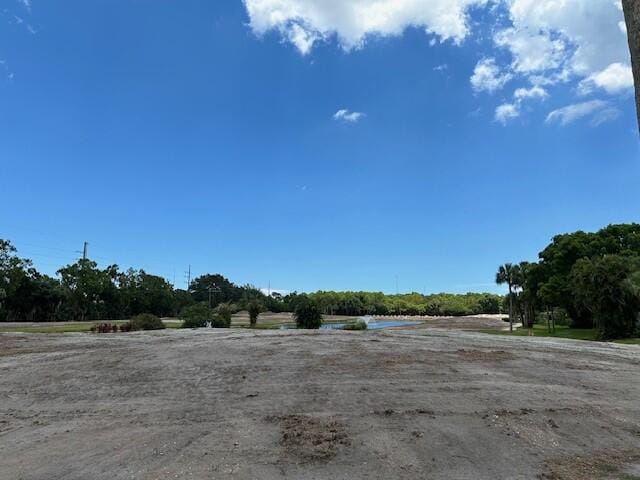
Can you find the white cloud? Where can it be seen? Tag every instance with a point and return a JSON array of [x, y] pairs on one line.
[[599, 111], [506, 112], [616, 78], [547, 42], [579, 36], [305, 22], [532, 52], [487, 76], [441, 68], [345, 115], [530, 93]]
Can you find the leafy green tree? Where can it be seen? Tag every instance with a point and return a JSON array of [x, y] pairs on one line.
[[91, 293], [609, 287], [215, 287], [558, 259], [144, 293], [181, 300], [12, 274], [308, 314], [489, 304]]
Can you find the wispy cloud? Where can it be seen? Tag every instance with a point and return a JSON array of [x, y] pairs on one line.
[[26, 3], [598, 111], [509, 111], [345, 115]]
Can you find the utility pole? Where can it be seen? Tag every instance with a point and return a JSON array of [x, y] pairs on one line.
[[188, 272], [85, 250], [397, 290]]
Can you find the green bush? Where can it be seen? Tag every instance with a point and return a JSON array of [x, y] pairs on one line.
[[254, 307], [146, 321], [196, 316], [356, 326], [308, 315], [222, 319]]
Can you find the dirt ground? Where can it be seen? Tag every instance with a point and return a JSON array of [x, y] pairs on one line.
[[394, 404]]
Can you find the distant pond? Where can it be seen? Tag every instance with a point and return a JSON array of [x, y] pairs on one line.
[[373, 325]]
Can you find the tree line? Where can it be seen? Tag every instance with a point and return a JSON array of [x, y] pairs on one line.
[[591, 279], [83, 291]]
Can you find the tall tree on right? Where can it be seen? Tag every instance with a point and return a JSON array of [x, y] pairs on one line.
[[632, 15]]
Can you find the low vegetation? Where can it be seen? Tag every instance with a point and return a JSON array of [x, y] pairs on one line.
[[563, 331], [308, 315], [196, 316], [358, 325], [146, 321]]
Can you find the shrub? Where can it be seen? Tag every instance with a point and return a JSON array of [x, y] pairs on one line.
[[357, 325], [308, 315], [125, 327], [146, 321], [196, 316], [105, 328], [254, 307], [222, 319]]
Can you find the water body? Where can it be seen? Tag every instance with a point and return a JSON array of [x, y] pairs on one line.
[[373, 325]]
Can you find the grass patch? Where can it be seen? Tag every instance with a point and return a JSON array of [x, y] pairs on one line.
[[590, 334], [629, 341]]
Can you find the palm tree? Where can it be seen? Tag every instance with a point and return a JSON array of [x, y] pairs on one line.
[[508, 273]]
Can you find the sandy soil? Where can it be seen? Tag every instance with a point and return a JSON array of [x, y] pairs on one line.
[[401, 404]]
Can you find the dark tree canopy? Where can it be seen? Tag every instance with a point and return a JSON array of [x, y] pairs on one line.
[[590, 276], [85, 291]]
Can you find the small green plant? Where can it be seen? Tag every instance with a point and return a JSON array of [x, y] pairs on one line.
[[146, 321], [308, 315], [222, 319], [255, 308], [358, 325], [197, 316]]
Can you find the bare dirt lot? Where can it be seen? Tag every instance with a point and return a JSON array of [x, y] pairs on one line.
[[407, 404]]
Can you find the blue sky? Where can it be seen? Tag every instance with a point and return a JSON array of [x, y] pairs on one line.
[[310, 144]]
